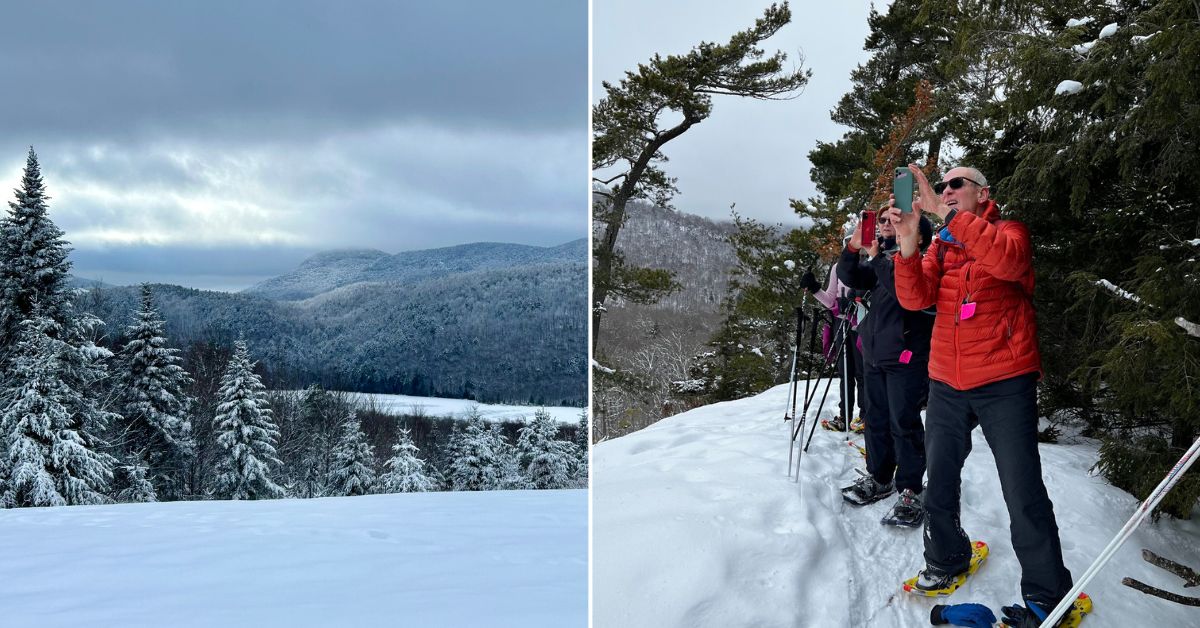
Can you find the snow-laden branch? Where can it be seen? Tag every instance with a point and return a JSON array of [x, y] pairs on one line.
[[604, 369], [1191, 328], [1121, 292]]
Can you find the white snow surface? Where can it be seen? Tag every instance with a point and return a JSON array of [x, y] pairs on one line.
[[1078, 21], [504, 558], [696, 524], [1068, 87], [458, 408], [1108, 31]]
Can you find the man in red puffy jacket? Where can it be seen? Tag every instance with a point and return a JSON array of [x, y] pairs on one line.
[[983, 366]]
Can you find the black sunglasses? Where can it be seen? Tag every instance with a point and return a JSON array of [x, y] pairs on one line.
[[955, 183]]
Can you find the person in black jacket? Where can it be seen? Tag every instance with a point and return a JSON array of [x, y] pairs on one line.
[[895, 349]]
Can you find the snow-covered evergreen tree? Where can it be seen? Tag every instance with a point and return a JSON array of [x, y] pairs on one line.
[[582, 443], [353, 461], [33, 259], [405, 472], [508, 466], [135, 486], [245, 433], [473, 465], [545, 461], [318, 423], [49, 459], [156, 427]]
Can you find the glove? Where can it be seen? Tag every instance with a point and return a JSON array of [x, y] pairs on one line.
[[969, 615], [1029, 616], [809, 282]]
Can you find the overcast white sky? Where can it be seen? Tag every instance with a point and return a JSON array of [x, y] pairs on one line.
[[753, 153], [216, 143]]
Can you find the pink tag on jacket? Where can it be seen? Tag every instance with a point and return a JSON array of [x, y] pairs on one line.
[[905, 356], [967, 311]]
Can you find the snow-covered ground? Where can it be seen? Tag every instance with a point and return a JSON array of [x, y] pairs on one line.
[[503, 558], [696, 523], [458, 408]]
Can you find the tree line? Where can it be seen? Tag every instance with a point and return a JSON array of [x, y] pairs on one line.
[[82, 423]]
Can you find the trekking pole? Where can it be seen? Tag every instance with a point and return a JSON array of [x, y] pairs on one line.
[[840, 348], [798, 430], [792, 383], [1142, 512], [812, 361]]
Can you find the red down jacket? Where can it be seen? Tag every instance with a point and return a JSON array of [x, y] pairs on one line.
[[990, 265]]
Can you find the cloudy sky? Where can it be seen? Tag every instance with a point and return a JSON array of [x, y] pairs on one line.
[[753, 153], [217, 143]]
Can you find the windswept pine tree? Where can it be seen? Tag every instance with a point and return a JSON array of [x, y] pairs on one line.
[[544, 460], [405, 472], [245, 433], [353, 461], [49, 460], [156, 428]]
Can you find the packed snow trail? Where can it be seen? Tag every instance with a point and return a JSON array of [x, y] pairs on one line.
[[503, 558], [696, 524]]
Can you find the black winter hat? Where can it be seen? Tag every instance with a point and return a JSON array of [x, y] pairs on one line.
[[926, 232]]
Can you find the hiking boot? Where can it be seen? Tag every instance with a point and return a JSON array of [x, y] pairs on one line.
[[836, 424], [909, 510], [931, 579], [867, 491]]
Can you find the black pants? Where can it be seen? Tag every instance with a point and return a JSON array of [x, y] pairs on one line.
[[895, 436], [1007, 411], [849, 385]]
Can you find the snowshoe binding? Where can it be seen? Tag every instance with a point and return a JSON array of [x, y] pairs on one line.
[[836, 424], [867, 491], [1022, 616], [909, 511], [932, 583]]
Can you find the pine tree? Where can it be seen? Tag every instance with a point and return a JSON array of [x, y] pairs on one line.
[[630, 131], [405, 472], [508, 466], [48, 458], [245, 433], [545, 461], [475, 463], [353, 461], [135, 486], [582, 446], [156, 425], [33, 259]]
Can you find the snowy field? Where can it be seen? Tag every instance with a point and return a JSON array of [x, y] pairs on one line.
[[458, 408], [506, 558], [696, 524]]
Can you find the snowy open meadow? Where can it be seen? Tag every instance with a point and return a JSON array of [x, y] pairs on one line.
[[696, 524], [459, 408], [471, 559]]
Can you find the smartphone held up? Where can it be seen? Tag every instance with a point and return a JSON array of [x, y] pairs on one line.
[[902, 188], [868, 229]]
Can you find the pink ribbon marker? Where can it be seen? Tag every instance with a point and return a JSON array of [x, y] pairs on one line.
[[905, 356], [967, 311]]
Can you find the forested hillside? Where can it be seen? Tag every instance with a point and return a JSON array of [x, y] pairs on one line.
[[509, 335]]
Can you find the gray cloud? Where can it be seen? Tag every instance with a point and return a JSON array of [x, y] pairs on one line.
[[176, 135]]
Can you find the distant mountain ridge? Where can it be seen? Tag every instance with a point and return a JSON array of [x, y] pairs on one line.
[[492, 322], [330, 270]]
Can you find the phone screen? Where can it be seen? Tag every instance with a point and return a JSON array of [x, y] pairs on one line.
[[902, 188], [868, 229]]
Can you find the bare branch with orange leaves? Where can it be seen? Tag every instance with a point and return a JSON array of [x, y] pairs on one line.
[[904, 128]]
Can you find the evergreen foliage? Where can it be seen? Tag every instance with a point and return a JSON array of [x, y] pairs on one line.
[[404, 471], [156, 427], [544, 460], [478, 461], [245, 433], [50, 458], [353, 461]]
